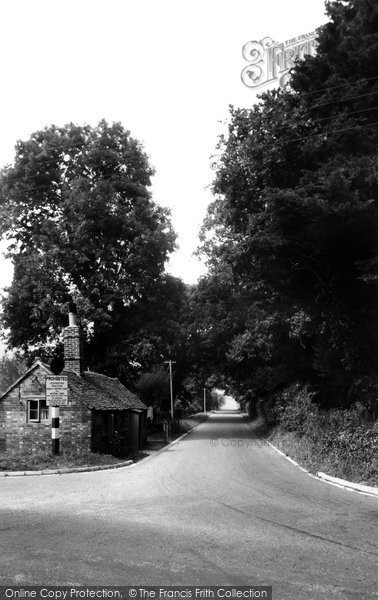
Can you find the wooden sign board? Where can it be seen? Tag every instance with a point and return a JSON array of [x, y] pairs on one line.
[[57, 390]]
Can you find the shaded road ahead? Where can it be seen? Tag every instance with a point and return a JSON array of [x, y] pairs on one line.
[[217, 508]]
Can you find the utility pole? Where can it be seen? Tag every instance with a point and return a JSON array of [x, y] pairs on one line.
[[170, 363], [204, 400]]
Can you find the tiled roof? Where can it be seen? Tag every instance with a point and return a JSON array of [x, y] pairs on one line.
[[101, 392]]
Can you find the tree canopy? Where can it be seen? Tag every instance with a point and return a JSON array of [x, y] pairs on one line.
[[294, 221], [76, 209]]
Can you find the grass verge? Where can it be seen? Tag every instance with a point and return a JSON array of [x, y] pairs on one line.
[[43, 459], [314, 455]]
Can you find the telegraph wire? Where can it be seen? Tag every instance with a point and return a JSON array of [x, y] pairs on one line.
[[355, 112], [343, 115], [343, 100], [326, 133], [335, 87]]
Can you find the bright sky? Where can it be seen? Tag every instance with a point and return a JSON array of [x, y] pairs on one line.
[[166, 69]]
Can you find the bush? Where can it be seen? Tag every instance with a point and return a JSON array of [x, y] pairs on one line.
[[295, 410], [193, 408], [350, 440], [266, 409], [341, 442], [364, 391], [116, 446]]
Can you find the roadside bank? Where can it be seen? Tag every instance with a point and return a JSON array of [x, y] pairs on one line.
[[327, 453]]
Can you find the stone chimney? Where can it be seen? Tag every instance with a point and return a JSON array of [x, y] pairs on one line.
[[72, 344]]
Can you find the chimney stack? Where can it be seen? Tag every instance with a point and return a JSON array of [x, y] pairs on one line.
[[72, 343]]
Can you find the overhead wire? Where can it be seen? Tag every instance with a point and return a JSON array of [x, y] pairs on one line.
[[284, 128], [344, 100], [326, 133], [355, 112], [335, 87]]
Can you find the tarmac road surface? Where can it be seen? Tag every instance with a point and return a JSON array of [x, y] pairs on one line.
[[219, 507]]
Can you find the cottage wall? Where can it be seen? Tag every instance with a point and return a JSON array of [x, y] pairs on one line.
[[17, 433]]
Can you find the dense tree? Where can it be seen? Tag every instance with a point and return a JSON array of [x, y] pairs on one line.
[[76, 209], [295, 218], [154, 389], [10, 370], [147, 333]]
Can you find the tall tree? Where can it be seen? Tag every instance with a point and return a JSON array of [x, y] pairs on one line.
[[295, 217], [77, 211]]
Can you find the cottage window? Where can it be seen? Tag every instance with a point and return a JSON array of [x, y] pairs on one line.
[[33, 411], [37, 411], [43, 410]]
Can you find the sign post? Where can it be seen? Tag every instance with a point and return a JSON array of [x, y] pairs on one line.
[[56, 396], [55, 429]]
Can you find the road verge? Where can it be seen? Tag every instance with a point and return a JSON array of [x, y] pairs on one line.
[[342, 483]]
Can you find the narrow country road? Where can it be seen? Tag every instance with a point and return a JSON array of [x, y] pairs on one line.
[[217, 508]]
